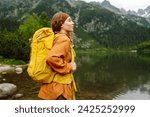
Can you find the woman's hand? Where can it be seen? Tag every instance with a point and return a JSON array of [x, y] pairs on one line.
[[73, 64]]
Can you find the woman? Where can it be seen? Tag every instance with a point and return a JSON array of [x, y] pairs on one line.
[[61, 60]]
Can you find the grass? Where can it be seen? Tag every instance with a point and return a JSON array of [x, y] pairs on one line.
[[11, 61]]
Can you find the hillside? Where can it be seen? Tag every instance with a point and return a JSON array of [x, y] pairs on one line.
[[98, 25]]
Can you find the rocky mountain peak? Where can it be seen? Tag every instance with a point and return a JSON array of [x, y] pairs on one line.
[[106, 3], [147, 9], [141, 12]]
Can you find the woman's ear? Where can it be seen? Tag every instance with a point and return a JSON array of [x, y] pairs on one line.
[[62, 25]]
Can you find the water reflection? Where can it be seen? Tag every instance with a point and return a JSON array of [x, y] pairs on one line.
[[99, 76], [113, 76], [24, 83]]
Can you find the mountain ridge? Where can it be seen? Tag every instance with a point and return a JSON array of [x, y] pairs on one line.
[[141, 17], [97, 23], [140, 12]]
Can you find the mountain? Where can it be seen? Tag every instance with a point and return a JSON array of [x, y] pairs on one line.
[[144, 12], [141, 12], [131, 15], [15, 8], [106, 4], [95, 24]]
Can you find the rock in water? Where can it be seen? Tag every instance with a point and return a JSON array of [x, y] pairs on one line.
[[18, 70], [7, 89], [16, 96]]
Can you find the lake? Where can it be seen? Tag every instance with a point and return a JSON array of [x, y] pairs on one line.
[[99, 76]]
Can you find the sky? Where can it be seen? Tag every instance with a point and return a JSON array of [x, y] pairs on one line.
[[127, 4]]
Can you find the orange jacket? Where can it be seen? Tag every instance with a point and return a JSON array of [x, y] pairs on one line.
[[59, 58], [60, 55]]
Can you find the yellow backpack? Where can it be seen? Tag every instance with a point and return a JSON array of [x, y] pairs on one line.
[[41, 44]]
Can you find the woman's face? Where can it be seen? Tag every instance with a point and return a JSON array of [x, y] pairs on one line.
[[68, 25]]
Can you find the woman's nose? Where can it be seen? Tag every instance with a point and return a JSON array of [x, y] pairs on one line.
[[72, 23]]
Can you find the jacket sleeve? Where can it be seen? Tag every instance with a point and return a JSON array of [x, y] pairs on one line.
[[56, 57]]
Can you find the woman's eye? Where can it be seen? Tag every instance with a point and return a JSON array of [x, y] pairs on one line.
[[70, 20]]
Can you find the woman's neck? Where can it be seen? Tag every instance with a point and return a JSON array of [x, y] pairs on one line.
[[69, 34], [63, 32]]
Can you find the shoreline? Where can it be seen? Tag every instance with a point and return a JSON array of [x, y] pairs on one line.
[[9, 68]]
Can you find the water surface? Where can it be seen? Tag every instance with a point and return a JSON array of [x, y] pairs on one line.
[[99, 76]]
